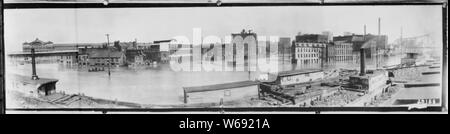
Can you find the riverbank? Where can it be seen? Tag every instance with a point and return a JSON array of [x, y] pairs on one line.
[[16, 99]]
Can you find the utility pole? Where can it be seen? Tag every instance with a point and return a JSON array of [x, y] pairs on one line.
[[401, 41], [378, 41], [322, 55], [109, 55], [364, 40]]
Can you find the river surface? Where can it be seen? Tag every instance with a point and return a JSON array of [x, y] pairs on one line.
[[152, 84]]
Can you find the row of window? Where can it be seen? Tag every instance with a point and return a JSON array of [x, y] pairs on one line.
[[113, 60], [307, 55], [66, 57], [309, 50], [309, 60], [104, 64]]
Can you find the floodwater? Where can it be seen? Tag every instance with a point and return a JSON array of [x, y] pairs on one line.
[[152, 84]]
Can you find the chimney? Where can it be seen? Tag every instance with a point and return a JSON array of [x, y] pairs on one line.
[[33, 65], [362, 63]]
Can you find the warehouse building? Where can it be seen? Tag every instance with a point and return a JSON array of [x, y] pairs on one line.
[[216, 93], [36, 88], [294, 77]]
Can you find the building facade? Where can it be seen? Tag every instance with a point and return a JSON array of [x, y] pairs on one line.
[[306, 53], [343, 51], [298, 77], [310, 48], [104, 58], [373, 44], [284, 50], [68, 59], [165, 56], [38, 45], [134, 57]]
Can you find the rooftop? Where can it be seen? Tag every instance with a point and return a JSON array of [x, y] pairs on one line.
[[161, 41], [38, 42], [28, 80], [295, 72], [219, 86], [101, 53], [370, 74]]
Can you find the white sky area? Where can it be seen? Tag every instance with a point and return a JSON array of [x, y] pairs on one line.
[[89, 25]]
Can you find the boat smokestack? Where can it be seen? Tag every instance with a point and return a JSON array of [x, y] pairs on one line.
[[33, 65], [362, 63]]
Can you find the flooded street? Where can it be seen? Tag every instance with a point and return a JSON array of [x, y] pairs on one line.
[[151, 84]]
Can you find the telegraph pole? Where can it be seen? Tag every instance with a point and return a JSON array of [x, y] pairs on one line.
[[109, 55]]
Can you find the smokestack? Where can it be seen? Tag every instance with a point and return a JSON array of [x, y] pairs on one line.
[[362, 63], [379, 26], [378, 41], [33, 65], [364, 36]]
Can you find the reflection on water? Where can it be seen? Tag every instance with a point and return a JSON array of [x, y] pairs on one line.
[[151, 85], [147, 85]]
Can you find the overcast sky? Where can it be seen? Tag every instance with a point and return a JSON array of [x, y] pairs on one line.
[[149, 24]]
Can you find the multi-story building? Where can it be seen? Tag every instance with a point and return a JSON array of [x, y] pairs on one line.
[[165, 56], [41, 46], [45, 53], [311, 38], [330, 52], [99, 59], [178, 52], [309, 52], [329, 35], [152, 54], [83, 56], [158, 51], [134, 57], [70, 59], [38, 45], [343, 51], [371, 43], [284, 50], [310, 48]]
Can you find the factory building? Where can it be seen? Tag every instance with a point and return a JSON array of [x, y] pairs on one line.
[[373, 82]]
